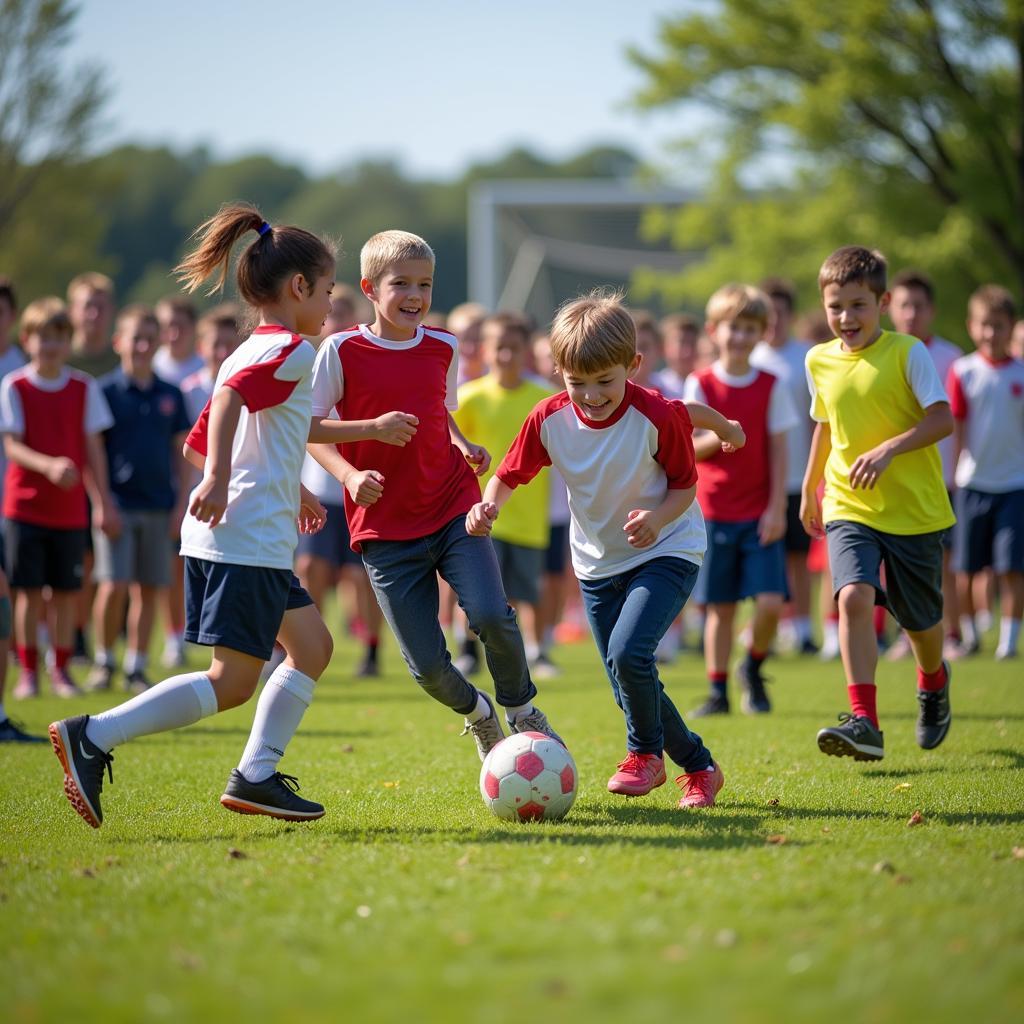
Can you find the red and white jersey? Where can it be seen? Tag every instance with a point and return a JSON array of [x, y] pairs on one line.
[[53, 416], [989, 398], [944, 354], [272, 371], [611, 467], [428, 482]]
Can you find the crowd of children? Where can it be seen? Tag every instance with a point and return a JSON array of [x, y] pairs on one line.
[[159, 456]]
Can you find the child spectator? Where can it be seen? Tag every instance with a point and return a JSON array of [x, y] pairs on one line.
[[239, 536], [464, 321], [679, 334], [424, 480], [637, 535], [783, 356], [648, 347], [176, 357], [986, 391], [52, 418], [149, 480], [912, 312], [743, 496], [491, 409], [878, 403], [91, 311]]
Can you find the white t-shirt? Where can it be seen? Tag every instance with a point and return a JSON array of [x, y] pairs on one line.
[[167, 368], [272, 371], [944, 354], [787, 364]]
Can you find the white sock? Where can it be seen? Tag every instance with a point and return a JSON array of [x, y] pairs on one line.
[[984, 619], [180, 700], [968, 631], [279, 711], [532, 651], [1009, 633], [104, 656], [802, 628], [519, 711], [830, 629], [480, 712], [134, 661]]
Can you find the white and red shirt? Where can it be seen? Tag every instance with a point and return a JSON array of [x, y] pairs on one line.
[[53, 417], [944, 354], [272, 371], [611, 467], [989, 398], [734, 487], [428, 482]]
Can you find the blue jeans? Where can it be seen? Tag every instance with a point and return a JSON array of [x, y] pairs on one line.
[[403, 574], [629, 614]]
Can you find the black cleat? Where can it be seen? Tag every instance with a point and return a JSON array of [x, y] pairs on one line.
[[11, 732], [83, 764], [755, 698], [714, 705], [856, 736], [934, 715], [275, 797], [137, 682]]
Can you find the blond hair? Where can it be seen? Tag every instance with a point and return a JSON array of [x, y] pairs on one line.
[[593, 333], [48, 313], [733, 301], [94, 281], [386, 248]]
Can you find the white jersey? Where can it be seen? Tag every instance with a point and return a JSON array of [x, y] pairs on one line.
[[787, 364], [944, 354], [273, 372], [167, 368]]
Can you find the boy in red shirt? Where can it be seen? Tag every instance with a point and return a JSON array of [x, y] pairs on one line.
[[742, 495]]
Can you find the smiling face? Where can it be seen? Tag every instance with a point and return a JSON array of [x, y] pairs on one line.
[[401, 298], [734, 340], [854, 313], [314, 304], [990, 330], [48, 348], [136, 342], [598, 395]]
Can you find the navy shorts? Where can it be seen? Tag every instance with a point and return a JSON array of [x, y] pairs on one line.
[[913, 569], [521, 570], [333, 543], [989, 531], [556, 558], [238, 606], [797, 539], [737, 565]]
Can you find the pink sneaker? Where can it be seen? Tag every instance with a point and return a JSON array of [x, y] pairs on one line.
[[27, 686], [700, 788], [62, 684], [638, 774]]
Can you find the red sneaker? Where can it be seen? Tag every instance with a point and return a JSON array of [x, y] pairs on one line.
[[700, 788], [638, 774]]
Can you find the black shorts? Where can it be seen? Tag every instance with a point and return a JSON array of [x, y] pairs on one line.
[[521, 570], [556, 558], [238, 606], [43, 556], [333, 543], [913, 569], [989, 531], [797, 539]]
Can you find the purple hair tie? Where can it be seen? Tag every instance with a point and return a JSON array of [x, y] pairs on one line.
[[264, 228]]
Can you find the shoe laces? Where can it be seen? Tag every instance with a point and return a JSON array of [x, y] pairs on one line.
[[858, 723], [103, 760], [930, 702], [692, 783], [288, 781], [636, 764], [535, 721]]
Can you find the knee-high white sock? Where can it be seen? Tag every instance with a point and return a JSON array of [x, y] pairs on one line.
[[279, 711], [1009, 632], [180, 700]]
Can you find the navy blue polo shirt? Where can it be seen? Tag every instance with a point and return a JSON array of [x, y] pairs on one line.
[[140, 450]]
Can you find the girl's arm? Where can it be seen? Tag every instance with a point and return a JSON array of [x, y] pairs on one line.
[[821, 448], [476, 455], [397, 428], [210, 498]]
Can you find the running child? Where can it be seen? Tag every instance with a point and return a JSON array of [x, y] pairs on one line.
[[637, 535], [239, 537], [880, 409]]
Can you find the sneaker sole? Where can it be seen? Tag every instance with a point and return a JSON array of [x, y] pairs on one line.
[[838, 746], [77, 799], [748, 707], [239, 806]]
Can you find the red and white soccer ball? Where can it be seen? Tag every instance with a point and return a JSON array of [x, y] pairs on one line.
[[529, 777]]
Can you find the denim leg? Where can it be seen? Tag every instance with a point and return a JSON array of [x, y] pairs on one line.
[[470, 567], [602, 601], [403, 575]]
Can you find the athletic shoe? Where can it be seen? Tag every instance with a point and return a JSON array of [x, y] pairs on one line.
[[83, 764], [934, 715], [368, 667], [534, 721], [638, 774], [11, 732], [174, 653], [701, 788], [755, 698], [80, 654], [714, 705], [100, 678], [275, 797], [27, 686], [809, 647], [487, 731], [542, 667], [1005, 654], [137, 682], [856, 736], [62, 684]]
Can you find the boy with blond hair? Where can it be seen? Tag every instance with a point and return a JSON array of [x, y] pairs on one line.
[[637, 536], [91, 311], [878, 403], [421, 482], [743, 496]]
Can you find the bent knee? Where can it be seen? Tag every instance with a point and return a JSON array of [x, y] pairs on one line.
[[857, 599]]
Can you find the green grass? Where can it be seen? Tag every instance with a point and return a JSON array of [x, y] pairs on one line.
[[409, 902]]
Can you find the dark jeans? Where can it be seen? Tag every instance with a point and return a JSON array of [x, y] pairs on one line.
[[629, 614], [403, 574]]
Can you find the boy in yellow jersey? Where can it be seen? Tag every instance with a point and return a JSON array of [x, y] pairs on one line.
[[880, 408], [492, 408]]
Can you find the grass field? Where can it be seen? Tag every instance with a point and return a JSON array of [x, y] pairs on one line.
[[805, 895]]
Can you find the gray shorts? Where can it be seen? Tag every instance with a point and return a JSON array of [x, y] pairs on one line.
[[140, 554], [913, 569], [521, 570]]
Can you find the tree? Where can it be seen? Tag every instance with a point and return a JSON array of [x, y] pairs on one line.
[[901, 123]]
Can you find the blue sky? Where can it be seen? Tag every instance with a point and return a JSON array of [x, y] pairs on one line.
[[435, 85]]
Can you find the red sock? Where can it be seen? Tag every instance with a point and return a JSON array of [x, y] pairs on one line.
[[757, 656], [879, 619], [28, 657], [61, 657], [931, 680], [719, 682], [862, 701]]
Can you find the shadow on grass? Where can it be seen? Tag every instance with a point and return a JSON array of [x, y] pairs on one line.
[[862, 814]]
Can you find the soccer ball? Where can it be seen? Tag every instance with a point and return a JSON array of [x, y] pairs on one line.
[[529, 777]]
